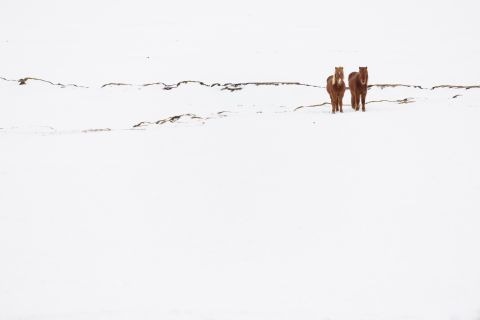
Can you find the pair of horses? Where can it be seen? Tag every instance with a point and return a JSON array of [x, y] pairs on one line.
[[357, 83]]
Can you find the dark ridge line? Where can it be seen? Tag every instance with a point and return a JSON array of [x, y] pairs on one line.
[[141, 124], [151, 84], [240, 85], [229, 86], [237, 86], [117, 84], [9, 80], [232, 89], [449, 86], [222, 114], [23, 81], [176, 85], [395, 85], [171, 119], [224, 86], [280, 83], [399, 101]]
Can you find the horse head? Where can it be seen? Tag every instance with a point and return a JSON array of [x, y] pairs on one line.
[[363, 71], [338, 76]]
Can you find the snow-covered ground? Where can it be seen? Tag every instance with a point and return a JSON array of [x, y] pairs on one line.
[[241, 200]]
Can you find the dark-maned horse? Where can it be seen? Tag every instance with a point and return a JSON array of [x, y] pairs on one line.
[[358, 82], [336, 89]]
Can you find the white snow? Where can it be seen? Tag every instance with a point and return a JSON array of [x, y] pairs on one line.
[[251, 208]]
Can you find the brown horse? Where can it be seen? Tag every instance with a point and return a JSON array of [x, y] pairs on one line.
[[336, 89], [358, 82]]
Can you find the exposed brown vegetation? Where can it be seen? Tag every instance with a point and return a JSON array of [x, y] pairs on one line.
[[171, 119], [23, 81], [448, 86]]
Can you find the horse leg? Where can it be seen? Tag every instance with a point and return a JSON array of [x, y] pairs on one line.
[[357, 101], [352, 99], [332, 101], [340, 102], [336, 102], [364, 94]]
